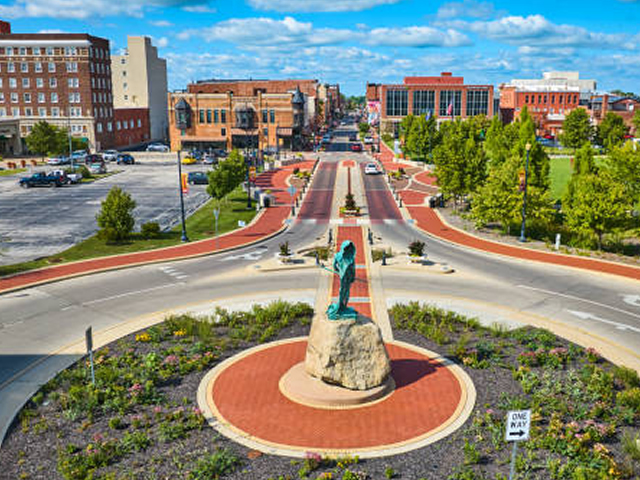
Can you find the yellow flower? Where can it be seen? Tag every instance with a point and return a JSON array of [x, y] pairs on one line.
[[143, 337], [180, 333]]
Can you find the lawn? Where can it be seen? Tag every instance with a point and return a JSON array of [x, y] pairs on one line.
[[200, 225], [560, 174], [6, 173]]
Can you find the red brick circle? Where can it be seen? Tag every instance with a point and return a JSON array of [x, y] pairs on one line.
[[247, 396]]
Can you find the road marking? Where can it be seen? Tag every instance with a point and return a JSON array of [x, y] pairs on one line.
[[106, 299], [632, 300], [590, 316], [245, 256], [572, 297], [11, 324], [181, 277]]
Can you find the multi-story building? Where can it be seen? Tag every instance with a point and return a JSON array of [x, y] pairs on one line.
[[139, 79], [329, 104], [548, 100], [61, 78], [445, 97], [625, 107], [263, 114]]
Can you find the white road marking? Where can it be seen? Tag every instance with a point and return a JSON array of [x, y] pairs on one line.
[[590, 316], [632, 300], [245, 256], [106, 299], [572, 297], [180, 277]]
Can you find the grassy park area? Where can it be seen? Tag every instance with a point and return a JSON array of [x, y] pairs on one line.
[[200, 226]]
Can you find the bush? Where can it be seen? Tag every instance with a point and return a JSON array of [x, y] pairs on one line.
[[416, 248], [296, 170], [150, 230], [284, 249], [214, 465], [630, 398], [115, 218], [350, 202]]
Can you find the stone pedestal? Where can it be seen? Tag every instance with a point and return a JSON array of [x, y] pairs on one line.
[[347, 353]]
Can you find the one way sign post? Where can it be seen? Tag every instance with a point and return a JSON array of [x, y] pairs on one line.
[[518, 426]]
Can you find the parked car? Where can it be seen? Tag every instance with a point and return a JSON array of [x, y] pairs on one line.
[[97, 168], [41, 179], [356, 147], [189, 160], [125, 158], [371, 169], [74, 174], [61, 160], [62, 175], [220, 152], [198, 178], [368, 140], [93, 158], [210, 159], [110, 155], [78, 155], [157, 147]]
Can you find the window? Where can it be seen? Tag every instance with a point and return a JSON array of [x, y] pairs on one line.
[[3, 112], [53, 82], [49, 50], [131, 123], [14, 97], [265, 116], [560, 97], [72, 66], [539, 98], [201, 112], [1, 97], [223, 132], [36, 50], [52, 67], [272, 116], [450, 101], [0, 82], [15, 112], [223, 117], [75, 111], [38, 67], [553, 100], [41, 98], [70, 51], [25, 83], [125, 85], [124, 73], [74, 82], [109, 127], [125, 125], [27, 97], [23, 51], [424, 101], [93, 82], [55, 111], [216, 116], [118, 125], [94, 97], [139, 123], [9, 50], [13, 83], [28, 112], [265, 132], [575, 99], [11, 67], [477, 102], [42, 112], [74, 97], [126, 97], [397, 103], [39, 83], [526, 99], [24, 67], [91, 67], [545, 99], [209, 116], [99, 127]]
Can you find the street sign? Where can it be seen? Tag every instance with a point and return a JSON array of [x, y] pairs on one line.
[[89, 340], [291, 190], [216, 213], [518, 425], [184, 183], [252, 174]]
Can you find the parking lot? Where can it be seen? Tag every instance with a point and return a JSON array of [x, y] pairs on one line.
[[42, 221]]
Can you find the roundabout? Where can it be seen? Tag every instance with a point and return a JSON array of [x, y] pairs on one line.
[[243, 400]]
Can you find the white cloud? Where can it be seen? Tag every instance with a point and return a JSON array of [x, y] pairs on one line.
[[536, 30], [83, 9], [51, 30], [467, 8], [416, 37], [160, 23], [199, 9], [318, 5], [162, 42]]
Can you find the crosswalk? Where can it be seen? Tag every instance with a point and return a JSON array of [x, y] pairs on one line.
[[173, 272]]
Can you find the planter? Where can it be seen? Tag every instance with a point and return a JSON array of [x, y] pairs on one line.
[[417, 259], [285, 259]]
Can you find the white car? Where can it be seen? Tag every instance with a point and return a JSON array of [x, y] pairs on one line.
[[157, 147], [371, 169], [110, 155], [368, 140], [57, 160]]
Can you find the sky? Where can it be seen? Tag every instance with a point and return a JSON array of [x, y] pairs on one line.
[[352, 42]]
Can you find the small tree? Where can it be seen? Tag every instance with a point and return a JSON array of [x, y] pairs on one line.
[[416, 248], [636, 122], [43, 139], [611, 131], [363, 128], [227, 176], [576, 129], [115, 218], [584, 162]]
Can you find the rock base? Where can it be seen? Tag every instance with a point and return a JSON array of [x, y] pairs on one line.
[[347, 353]]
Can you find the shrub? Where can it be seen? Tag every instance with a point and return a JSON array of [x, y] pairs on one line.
[[284, 249], [416, 248], [296, 171], [115, 218], [376, 254], [350, 202], [627, 376], [150, 230], [630, 398], [214, 465]]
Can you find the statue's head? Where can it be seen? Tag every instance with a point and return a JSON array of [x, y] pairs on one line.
[[348, 249]]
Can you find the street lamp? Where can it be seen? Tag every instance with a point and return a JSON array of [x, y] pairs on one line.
[[244, 121], [524, 197], [183, 117]]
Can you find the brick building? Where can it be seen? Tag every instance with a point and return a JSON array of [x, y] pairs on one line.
[[273, 114], [445, 97], [132, 126], [625, 107], [61, 78]]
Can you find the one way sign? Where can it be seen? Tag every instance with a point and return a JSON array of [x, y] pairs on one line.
[[518, 423]]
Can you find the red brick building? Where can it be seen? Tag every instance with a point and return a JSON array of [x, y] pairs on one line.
[[446, 97], [61, 78], [624, 107], [132, 126]]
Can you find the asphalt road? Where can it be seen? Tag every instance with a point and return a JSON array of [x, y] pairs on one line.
[[37, 222]]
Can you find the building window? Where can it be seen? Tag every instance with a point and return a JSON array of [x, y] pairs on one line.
[[99, 127], [13, 83], [126, 97], [424, 101], [272, 116], [52, 67], [118, 125], [477, 102], [397, 103], [76, 111], [39, 83], [223, 132], [450, 101], [265, 132], [73, 82], [15, 111], [28, 112], [545, 99], [25, 83], [1, 97], [36, 50], [216, 116], [139, 123], [41, 98], [11, 67], [72, 66], [42, 112], [208, 115], [109, 127], [125, 125], [53, 82], [9, 51], [575, 99], [14, 97], [223, 116], [131, 123], [201, 112], [265, 116], [3, 112], [24, 67], [50, 50], [38, 67], [27, 98], [55, 111], [526, 99], [553, 99]]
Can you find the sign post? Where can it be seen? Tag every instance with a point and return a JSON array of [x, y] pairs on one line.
[[216, 214], [89, 340], [292, 192], [518, 426]]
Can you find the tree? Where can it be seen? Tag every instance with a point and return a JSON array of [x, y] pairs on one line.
[[227, 176], [363, 128], [636, 122], [624, 165], [584, 162], [43, 139], [539, 163], [115, 218], [611, 131], [423, 138], [496, 143], [596, 205], [405, 126], [576, 129]]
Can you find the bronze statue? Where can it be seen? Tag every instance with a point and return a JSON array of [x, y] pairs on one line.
[[344, 265]]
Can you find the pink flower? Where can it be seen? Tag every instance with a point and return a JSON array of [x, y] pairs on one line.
[[171, 360], [98, 437], [197, 411], [136, 389], [157, 409]]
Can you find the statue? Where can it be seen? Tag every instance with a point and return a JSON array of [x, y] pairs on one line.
[[344, 265]]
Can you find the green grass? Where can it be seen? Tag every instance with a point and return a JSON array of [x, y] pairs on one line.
[[200, 226], [560, 174], [6, 173]]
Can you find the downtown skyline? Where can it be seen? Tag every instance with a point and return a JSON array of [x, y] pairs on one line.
[[353, 42]]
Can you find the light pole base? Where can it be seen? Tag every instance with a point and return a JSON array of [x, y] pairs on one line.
[[522, 240], [184, 237]]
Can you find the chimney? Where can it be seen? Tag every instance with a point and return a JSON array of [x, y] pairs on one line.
[[5, 28], [446, 74]]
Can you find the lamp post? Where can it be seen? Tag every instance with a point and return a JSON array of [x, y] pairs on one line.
[[182, 123], [524, 196]]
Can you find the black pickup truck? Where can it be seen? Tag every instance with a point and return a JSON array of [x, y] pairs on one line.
[[40, 179]]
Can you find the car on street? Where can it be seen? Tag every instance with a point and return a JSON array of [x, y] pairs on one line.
[[97, 168], [209, 159], [78, 155], [68, 175], [61, 160], [368, 140], [221, 153], [125, 158], [198, 178], [356, 147], [41, 179], [93, 158], [189, 160], [157, 147], [110, 155], [371, 169]]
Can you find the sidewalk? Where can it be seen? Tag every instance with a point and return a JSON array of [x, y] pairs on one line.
[[268, 223], [432, 223]]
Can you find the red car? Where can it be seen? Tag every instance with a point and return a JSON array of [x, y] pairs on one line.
[[356, 147]]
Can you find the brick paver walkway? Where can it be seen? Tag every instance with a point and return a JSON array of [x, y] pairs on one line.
[[270, 221], [360, 298]]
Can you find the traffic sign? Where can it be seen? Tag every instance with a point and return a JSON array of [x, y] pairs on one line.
[[291, 190], [518, 425]]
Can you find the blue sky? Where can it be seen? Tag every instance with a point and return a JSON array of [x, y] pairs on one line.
[[354, 41]]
